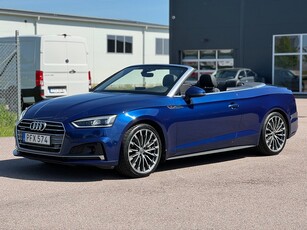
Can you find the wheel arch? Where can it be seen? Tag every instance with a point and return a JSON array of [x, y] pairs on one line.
[[284, 115], [158, 128], [270, 146]]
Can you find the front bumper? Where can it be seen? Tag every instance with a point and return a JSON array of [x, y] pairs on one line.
[[69, 145]]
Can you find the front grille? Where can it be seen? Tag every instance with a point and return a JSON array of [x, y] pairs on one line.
[[55, 130]]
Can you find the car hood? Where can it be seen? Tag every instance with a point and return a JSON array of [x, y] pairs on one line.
[[90, 105]]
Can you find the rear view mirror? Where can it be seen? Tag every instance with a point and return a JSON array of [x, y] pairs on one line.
[[147, 73]]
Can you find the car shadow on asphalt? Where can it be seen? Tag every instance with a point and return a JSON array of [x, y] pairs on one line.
[[25, 169]]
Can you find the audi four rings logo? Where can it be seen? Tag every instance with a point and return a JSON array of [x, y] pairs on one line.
[[38, 126]]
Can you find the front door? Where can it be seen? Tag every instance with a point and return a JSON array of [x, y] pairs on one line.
[[209, 122]]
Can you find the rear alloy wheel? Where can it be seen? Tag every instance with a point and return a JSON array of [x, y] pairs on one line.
[[141, 151], [274, 134]]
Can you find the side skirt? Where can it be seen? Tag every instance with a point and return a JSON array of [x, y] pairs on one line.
[[211, 152]]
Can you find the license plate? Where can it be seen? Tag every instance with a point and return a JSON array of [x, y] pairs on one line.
[[36, 138]]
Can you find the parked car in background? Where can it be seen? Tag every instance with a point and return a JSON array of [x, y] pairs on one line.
[[287, 78], [141, 116], [235, 77]]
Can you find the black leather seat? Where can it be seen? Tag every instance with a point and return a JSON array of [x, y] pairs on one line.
[[208, 83]]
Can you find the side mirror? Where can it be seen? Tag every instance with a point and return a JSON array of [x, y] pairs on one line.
[[193, 91]]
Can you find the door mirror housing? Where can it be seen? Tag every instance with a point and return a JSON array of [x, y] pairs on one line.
[[194, 91]]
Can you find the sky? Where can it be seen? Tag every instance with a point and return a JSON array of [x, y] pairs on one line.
[[150, 11]]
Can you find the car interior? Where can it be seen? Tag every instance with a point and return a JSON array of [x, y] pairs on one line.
[[209, 84]]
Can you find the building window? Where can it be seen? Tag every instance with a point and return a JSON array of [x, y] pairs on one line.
[[287, 44], [111, 44], [289, 62], [208, 61], [119, 44], [128, 45], [162, 46]]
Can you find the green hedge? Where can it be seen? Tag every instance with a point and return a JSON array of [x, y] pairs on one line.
[[7, 122]]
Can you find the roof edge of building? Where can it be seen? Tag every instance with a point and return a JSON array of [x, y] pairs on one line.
[[80, 18]]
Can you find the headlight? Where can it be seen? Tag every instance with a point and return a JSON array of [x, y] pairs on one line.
[[94, 122]]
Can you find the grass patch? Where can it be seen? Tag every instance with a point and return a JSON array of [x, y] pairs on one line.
[[7, 122]]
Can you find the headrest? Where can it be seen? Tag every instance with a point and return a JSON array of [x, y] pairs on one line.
[[207, 80], [168, 80]]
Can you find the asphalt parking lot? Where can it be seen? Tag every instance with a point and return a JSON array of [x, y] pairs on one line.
[[235, 190]]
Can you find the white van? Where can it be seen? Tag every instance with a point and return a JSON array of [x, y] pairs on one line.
[[52, 66]]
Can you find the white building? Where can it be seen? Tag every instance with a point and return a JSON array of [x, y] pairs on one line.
[[112, 44]]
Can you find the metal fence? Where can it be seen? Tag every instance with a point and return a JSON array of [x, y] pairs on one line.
[[10, 94]]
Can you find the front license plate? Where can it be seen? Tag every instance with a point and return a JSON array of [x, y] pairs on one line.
[[36, 138]]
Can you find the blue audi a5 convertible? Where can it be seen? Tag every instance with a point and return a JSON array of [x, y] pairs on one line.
[[146, 114]]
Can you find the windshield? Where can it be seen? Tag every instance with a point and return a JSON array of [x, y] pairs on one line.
[[152, 79], [226, 74]]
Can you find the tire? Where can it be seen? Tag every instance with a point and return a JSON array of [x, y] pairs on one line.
[[273, 136], [141, 151]]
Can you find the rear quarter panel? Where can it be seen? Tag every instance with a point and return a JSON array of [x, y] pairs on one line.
[[255, 104]]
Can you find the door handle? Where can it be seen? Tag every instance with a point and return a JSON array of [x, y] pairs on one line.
[[72, 71], [233, 106]]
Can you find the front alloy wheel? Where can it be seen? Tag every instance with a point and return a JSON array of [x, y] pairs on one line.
[[274, 134], [141, 151]]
